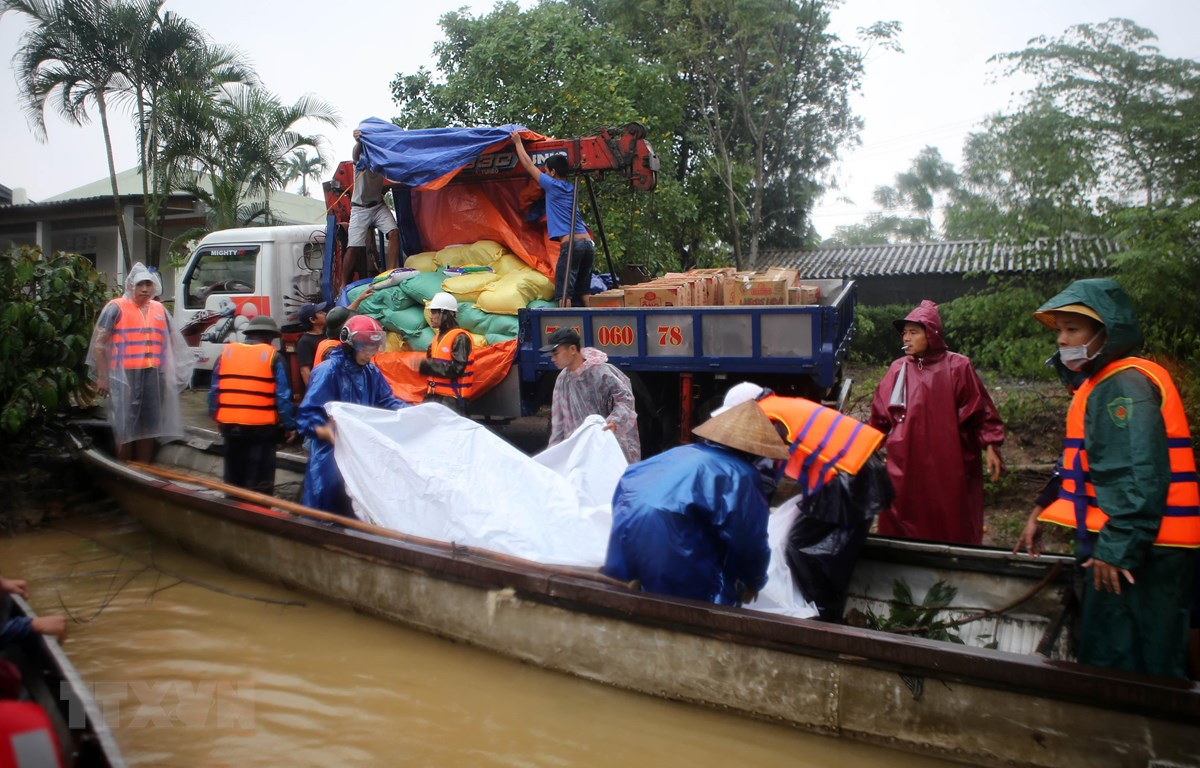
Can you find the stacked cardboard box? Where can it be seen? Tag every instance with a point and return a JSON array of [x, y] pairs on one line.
[[712, 287]]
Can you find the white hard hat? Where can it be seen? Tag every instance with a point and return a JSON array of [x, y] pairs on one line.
[[444, 302], [738, 394]]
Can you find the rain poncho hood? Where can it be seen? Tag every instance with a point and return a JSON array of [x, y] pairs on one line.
[[1108, 300], [927, 315], [138, 273]]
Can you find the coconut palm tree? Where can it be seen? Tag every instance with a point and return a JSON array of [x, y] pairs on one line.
[[69, 58], [302, 167], [235, 147], [166, 53]]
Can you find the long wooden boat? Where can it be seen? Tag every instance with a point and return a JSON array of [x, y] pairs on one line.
[[50, 680], [1019, 703]]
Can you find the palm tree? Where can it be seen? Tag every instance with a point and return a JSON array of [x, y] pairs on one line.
[[240, 142], [301, 166], [69, 57], [166, 53]]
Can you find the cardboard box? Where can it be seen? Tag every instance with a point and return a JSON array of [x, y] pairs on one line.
[[804, 294], [789, 275], [614, 297], [758, 290], [658, 294]]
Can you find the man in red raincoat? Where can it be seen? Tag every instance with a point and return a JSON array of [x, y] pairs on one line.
[[938, 417]]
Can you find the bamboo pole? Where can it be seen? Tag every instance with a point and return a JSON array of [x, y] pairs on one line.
[[300, 510]]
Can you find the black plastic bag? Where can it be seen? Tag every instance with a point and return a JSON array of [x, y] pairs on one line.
[[827, 537]]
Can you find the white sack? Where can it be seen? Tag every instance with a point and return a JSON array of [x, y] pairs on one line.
[[429, 472], [781, 595]]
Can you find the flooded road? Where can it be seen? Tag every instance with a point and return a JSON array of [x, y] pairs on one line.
[[195, 665]]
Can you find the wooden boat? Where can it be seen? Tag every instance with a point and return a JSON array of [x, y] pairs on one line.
[[49, 679], [1021, 703]]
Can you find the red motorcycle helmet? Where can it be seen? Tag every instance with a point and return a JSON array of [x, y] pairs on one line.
[[362, 331]]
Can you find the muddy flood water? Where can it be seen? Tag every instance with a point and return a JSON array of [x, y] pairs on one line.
[[194, 665]]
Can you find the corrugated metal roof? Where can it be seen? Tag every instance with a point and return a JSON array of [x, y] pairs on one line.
[[954, 258]]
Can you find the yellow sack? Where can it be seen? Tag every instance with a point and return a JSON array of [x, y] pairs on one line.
[[480, 254], [467, 287], [478, 341], [514, 291], [395, 343], [424, 262], [508, 262]]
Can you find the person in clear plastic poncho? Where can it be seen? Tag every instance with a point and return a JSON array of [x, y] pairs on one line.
[[141, 362]]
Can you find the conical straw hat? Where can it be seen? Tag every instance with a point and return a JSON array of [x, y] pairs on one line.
[[745, 428]]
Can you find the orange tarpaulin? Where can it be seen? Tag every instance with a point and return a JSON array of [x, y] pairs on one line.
[[491, 365]]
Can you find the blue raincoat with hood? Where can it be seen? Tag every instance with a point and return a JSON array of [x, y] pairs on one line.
[[691, 522], [343, 380]]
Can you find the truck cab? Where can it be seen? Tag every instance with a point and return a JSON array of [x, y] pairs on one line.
[[237, 274]]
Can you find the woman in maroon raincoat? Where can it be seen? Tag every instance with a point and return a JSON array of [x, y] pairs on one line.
[[937, 416]]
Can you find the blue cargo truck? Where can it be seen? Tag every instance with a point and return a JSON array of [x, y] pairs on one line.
[[681, 360]]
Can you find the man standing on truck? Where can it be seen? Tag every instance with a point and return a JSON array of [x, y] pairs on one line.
[[250, 399], [573, 273], [367, 210], [587, 384]]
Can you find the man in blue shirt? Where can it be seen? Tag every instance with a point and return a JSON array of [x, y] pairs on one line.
[[573, 273]]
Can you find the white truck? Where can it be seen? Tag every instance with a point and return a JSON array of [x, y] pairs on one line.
[[236, 274]]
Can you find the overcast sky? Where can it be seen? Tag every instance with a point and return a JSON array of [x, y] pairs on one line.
[[933, 93]]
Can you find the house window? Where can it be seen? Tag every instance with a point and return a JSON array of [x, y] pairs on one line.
[[219, 270]]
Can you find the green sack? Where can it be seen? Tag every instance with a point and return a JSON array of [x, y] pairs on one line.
[[423, 286]]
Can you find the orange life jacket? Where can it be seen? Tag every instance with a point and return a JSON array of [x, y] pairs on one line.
[[246, 387], [443, 349], [27, 736], [1076, 504], [139, 340], [324, 347], [822, 440]]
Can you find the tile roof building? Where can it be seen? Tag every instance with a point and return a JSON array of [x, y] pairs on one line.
[[908, 272]]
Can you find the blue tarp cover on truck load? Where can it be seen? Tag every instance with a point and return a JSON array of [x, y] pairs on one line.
[[426, 158]]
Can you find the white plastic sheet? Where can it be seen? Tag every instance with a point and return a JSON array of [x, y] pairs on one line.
[[429, 472], [780, 595]]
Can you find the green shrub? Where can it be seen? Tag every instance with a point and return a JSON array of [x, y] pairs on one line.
[[49, 311], [877, 340]]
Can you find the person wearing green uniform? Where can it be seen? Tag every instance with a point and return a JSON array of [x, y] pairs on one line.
[[1128, 484]]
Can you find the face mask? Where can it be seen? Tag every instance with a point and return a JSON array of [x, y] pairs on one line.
[[1075, 358]]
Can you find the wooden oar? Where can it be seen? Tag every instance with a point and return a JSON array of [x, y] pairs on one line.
[[300, 510]]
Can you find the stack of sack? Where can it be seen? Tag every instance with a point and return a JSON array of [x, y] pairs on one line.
[[491, 284]]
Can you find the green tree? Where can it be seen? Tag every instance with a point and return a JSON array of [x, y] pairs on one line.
[[1138, 108], [301, 167], [49, 309], [746, 103], [917, 190], [165, 53], [69, 58], [234, 148]]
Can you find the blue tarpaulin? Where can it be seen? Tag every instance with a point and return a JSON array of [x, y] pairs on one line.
[[422, 157]]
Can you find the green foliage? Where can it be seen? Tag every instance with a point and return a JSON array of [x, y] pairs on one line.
[[747, 105], [996, 329], [49, 311], [876, 340], [906, 614]]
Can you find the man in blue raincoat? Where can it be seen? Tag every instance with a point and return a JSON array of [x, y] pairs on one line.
[[348, 376], [692, 522]]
